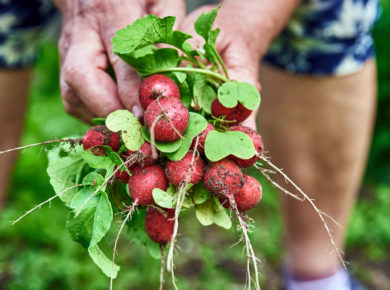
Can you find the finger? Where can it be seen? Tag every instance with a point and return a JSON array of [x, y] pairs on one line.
[[74, 106], [84, 72], [162, 8], [128, 82], [240, 65]]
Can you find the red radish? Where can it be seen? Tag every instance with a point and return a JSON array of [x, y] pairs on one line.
[[100, 136], [257, 142], [177, 171], [142, 182], [248, 196], [239, 113], [172, 122], [159, 224], [143, 156], [122, 176], [202, 138], [157, 86], [223, 178]]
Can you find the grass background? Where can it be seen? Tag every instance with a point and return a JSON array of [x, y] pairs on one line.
[[37, 253]]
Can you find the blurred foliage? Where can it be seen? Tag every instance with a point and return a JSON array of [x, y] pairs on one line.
[[37, 253], [378, 168]]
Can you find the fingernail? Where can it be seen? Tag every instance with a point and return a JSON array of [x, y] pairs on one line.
[[138, 111]]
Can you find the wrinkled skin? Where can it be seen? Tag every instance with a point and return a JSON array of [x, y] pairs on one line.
[[86, 53]]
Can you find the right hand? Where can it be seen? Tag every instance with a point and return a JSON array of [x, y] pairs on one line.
[[86, 52]]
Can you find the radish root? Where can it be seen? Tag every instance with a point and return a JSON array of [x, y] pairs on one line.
[[71, 141], [320, 213], [46, 201], [130, 211], [179, 203]]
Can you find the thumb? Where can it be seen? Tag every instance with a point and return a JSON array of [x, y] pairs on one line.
[[241, 66]]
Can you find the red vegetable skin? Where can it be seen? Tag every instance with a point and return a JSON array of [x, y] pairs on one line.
[[157, 86], [100, 136], [176, 171], [159, 227], [257, 143], [175, 111], [223, 178], [143, 180], [202, 138], [143, 156], [122, 176], [238, 114], [248, 196]]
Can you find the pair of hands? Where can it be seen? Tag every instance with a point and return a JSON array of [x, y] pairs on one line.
[[86, 51]]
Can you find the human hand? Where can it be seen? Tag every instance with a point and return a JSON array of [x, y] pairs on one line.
[[86, 53], [246, 32]]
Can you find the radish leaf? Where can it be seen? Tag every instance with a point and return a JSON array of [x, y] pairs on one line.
[[229, 94], [219, 145]]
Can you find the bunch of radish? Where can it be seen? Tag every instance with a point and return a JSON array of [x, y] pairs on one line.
[[166, 119], [189, 151]]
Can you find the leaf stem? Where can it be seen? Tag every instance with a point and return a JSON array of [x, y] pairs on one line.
[[219, 58], [189, 69]]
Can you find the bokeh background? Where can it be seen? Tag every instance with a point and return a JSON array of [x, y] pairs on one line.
[[37, 253]]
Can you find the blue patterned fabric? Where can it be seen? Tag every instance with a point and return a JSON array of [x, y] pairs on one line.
[[21, 22], [326, 37]]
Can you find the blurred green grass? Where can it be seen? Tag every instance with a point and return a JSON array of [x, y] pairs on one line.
[[37, 253]]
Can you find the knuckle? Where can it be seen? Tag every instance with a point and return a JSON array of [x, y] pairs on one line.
[[69, 109]]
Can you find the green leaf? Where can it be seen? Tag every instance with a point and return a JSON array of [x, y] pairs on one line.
[[148, 60], [221, 217], [138, 235], [203, 26], [211, 212], [94, 220], [229, 94], [164, 198], [93, 179], [154, 249], [196, 124], [204, 94], [65, 171], [97, 162], [219, 145], [116, 159], [98, 121], [204, 213], [125, 122], [200, 193], [166, 147], [103, 262], [146, 31]]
